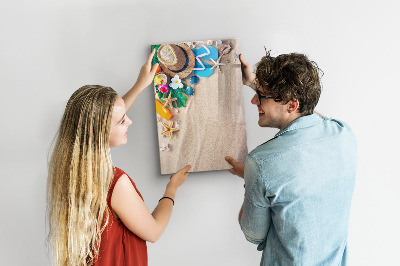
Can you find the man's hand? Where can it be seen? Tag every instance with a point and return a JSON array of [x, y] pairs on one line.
[[238, 168], [248, 76]]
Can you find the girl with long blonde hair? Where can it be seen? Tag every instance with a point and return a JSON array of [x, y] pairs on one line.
[[96, 214]]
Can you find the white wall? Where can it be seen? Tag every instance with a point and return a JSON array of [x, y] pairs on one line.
[[50, 48]]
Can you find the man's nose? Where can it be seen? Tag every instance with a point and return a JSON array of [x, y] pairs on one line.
[[254, 100]]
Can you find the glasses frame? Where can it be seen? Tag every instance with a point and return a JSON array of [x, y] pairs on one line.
[[265, 97]]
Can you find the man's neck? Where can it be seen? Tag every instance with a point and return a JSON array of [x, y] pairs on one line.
[[290, 119]]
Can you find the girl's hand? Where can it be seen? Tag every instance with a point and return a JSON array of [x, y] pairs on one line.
[[144, 79], [179, 178], [147, 72]]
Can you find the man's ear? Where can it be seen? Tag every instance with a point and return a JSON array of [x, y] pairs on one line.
[[293, 105]]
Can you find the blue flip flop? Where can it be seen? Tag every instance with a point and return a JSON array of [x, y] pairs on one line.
[[202, 69]]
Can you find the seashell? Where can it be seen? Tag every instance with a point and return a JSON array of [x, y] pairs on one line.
[[194, 79], [163, 77], [189, 91]]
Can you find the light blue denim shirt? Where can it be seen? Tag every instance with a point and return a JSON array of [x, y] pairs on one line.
[[298, 190]]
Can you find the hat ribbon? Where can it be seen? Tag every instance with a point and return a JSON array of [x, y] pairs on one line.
[[186, 62]]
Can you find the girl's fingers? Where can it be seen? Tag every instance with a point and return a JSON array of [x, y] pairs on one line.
[[151, 56], [186, 168], [154, 69]]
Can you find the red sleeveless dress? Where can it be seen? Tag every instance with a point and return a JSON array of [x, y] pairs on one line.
[[119, 246]]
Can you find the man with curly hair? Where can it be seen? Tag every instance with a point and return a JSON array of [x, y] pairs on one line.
[[299, 184]]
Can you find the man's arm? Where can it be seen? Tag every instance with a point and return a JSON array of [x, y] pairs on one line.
[[248, 75], [254, 217], [237, 169]]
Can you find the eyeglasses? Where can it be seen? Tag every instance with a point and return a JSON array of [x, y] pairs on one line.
[[265, 97]]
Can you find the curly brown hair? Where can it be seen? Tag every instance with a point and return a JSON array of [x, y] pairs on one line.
[[290, 77]]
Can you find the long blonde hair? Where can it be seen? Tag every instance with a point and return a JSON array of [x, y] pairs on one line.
[[80, 174]]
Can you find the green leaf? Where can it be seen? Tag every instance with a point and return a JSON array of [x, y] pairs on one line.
[[181, 99], [181, 90], [155, 58], [160, 95]]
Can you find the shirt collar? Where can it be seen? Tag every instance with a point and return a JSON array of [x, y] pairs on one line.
[[301, 122]]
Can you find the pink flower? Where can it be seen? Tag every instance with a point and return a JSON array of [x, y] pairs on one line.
[[163, 88]]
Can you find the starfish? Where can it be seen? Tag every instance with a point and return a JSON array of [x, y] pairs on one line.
[[217, 64], [168, 101], [164, 147], [168, 129]]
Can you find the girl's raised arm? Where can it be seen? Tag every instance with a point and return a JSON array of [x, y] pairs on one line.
[[144, 79]]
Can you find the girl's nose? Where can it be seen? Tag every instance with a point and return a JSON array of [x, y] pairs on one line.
[[129, 122]]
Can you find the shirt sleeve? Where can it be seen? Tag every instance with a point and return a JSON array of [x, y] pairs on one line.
[[256, 217]]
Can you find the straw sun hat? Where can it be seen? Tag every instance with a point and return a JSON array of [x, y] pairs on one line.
[[176, 59]]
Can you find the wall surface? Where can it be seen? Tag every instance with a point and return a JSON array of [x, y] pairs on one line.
[[48, 49]]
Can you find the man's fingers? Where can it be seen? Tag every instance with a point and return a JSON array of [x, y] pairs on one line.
[[230, 160], [244, 63]]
